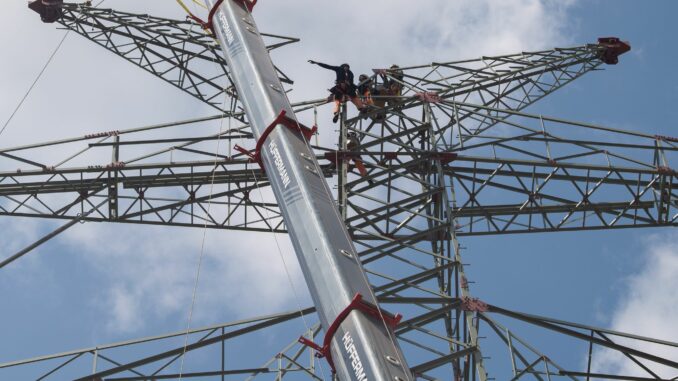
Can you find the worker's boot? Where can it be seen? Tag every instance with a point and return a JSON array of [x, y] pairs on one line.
[[335, 119]]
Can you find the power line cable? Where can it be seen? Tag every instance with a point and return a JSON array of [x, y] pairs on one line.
[[204, 233], [202, 244], [284, 262], [37, 78], [35, 81]]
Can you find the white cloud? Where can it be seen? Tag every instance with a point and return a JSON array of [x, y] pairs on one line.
[[148, 272], [125, 309], [378, 33], [648, 307], [16, 236], [384, 31]]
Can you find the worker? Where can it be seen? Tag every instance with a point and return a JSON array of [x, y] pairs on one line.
[[344, 88], [374, 96], [353, 145], [395, 81], [365, 89]]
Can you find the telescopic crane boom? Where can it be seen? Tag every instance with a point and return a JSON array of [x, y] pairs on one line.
[[359, 337]]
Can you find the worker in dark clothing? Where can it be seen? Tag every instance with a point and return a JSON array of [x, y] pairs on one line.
[[365, 89], [353, 144], [395, 81], [344, 88]]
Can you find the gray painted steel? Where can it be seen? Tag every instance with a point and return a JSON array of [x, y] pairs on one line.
[[315, 226]]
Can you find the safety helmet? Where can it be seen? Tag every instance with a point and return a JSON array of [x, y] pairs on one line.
[[362, 77], [345, 66]]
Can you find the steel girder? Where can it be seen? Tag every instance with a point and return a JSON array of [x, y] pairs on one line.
[[517, 190], [358, 344], [524, 361], [521, 176], [406, 214], [535, 174], [178, 51], [451, 154], [499, 85]]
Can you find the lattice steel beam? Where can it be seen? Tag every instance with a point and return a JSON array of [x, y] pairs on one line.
[[526, 361], [537, 193], [508, 82], [178, 51], [449, 154]]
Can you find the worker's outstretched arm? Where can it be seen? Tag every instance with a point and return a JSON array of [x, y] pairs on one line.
[[324, 66]]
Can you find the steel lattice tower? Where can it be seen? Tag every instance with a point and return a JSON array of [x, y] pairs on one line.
[[453, 154]]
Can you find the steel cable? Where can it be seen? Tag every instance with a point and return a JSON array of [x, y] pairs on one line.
[[37, 78], [279, 249], [35, 81], [202, 244], [282, 259]]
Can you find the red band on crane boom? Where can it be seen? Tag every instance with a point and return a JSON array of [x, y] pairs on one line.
[[249, 4], [255, 156], [356, 304]]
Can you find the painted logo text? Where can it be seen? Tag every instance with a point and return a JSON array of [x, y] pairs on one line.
[[352, 353], [227, 28], [277, 159]]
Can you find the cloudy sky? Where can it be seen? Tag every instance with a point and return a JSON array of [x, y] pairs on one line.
[[99, 283]]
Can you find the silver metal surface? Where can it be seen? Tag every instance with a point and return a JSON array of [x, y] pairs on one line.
[[316, 229]]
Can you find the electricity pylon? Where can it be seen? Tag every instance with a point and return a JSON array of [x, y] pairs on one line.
[[451, 153]]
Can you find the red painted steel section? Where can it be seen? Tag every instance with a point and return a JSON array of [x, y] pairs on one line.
[[292, 124], [49, 10], [614, 47], [356, 304], [249, 4]]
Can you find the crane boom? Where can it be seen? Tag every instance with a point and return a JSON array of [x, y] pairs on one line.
[[362, 346]]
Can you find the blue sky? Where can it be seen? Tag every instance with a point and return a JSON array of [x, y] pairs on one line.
[[72, 292]]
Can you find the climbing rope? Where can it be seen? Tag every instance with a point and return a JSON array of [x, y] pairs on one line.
[[186, 9], [211, 191]]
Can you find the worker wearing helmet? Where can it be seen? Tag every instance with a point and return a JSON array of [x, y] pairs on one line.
[[344, 88]]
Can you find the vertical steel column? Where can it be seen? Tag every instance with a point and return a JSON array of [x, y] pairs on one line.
[[113, 181], [342, 165], [363, 347], [440, 208]]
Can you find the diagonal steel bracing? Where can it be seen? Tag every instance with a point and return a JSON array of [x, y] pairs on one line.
[[178, 51], [450, 153], [526, 361], [537, 193]]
